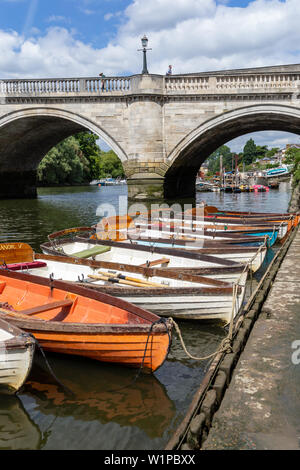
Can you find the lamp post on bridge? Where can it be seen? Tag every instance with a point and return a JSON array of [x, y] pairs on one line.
[[144, 45]]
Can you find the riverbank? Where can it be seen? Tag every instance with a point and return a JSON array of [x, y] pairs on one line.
[[261, 408], [294, 205]]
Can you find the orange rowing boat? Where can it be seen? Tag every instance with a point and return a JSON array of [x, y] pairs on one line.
[[70, 319]]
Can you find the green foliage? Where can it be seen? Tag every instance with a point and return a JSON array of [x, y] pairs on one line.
[[249, 152], [246, 159], [88, 146], [64, 164], [270, 153], [214, 159], [78, 160], [293, 158], [110, 165]]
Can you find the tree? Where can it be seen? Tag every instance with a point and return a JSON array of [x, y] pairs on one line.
[[292, 157], [214, 159], [91, 151], [110, 165], [249, 152], [64, 164], [78, 160]]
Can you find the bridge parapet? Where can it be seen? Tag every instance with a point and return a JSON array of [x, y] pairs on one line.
[[281, 79], [235, 82], [65, 86]]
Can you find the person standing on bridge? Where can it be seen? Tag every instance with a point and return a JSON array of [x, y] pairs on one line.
[[102, 81], [169, 72]]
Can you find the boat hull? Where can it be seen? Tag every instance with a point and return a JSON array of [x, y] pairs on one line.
[[16, 356], [192, 307], [134, 349], [189, 297], [80, 322]]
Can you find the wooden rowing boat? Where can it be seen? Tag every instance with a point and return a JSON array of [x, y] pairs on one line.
[[155, 232], [132, 253], [187, 225], [70, 319], [220, 225], [211, 210], [189, 295], [16, 356]]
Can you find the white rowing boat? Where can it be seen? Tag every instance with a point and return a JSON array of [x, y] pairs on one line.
[[209, 298], [198, 225], [16, 356], [135, 254]]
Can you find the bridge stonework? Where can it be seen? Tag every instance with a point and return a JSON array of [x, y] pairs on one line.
[[161, 127]]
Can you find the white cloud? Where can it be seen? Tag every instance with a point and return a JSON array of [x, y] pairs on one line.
[[193, 35]]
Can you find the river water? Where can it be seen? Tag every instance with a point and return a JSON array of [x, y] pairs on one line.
[[111, 408]]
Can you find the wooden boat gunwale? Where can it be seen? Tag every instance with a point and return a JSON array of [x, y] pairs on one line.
[[215, 247], [20, 338], [147, 271], [213, 231], [79, 290], [164, 251], [194, 274]]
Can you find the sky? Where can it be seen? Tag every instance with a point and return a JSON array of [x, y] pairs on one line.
[[81, 38]]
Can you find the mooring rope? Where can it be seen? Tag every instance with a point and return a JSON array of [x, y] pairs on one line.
[[64, 387], [225, 345]]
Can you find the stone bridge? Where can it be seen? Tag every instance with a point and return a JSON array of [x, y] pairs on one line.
[[161, 127]]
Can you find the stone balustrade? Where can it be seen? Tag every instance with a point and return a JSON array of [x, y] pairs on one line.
[[64, 86], [206, 83], [219, 83]]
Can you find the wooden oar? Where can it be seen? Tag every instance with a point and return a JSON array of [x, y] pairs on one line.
[[117, 281], [132, 279]]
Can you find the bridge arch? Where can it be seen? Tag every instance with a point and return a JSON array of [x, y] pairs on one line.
[[186, 158], [27, 135]]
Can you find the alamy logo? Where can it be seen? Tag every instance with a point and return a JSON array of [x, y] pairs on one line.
[[179, 225], [296, 353]]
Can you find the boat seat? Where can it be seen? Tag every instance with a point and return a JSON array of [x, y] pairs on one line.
[[149, 264], [96, 250], [46, 307], [26, 265]]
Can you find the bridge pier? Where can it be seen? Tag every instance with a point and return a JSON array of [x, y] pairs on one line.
[[146, 188], [18, 185], [158, 188], [180, 185]]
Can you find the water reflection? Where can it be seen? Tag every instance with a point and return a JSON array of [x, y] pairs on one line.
[[104, 398], [17, 429], [103, 393]]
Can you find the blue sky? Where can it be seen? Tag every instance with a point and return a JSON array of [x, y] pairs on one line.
[[67, 38], [93, 21], [82, 37]]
